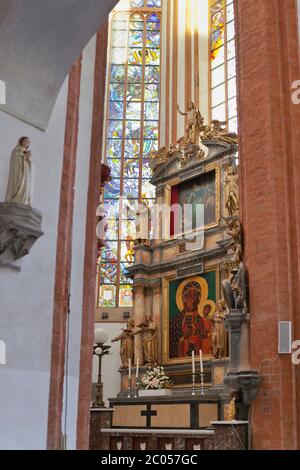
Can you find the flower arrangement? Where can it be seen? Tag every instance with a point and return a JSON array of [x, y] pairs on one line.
[[155, 379]]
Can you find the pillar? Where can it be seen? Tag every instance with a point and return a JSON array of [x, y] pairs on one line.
[[269, 149]]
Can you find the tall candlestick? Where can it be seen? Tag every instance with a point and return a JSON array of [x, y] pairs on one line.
[[193, 362], [201, 362], [137, 367], [129, 369]]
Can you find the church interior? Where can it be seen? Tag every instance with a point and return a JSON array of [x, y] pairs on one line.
[[149, 225]]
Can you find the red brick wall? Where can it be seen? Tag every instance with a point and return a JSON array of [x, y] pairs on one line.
[[90, 262], [268, 63], [63, 261]]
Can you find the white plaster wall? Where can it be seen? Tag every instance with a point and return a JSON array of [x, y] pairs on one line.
[[111, 378], [26, 298], [79, 227]]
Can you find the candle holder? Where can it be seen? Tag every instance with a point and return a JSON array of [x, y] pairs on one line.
[[129, 387], [194, 384], [136, 388], [202, 384]]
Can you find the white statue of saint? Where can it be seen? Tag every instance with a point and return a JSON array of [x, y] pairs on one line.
[[20, 182]]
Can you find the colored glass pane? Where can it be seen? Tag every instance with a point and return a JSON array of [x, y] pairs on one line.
[[151, 92], [116, 110], [115, 165], [137, 3], [132, 148], [116, 92], [217, 6], [131, 188], [107, 296], [150, 148], [117, 73], [133, 129], [128, 229], [151, 130], [136, 38], [134, 92], [108, 273], [135, 74], [152, 74], [153, 39], [114, 148], [125, 296], [152, 56], [124, 279], [136, 56], [115, 129], [152, 111], [109, 253], [131, 169], [133, 111], [148, 190], [112, 189]]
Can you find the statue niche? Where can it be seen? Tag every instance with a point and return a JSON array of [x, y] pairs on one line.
[[20, 223]]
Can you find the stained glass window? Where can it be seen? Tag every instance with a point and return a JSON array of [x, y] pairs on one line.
[[132, 137], [223, 66]]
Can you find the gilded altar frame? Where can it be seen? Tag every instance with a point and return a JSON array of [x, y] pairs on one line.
[[166, 360], [216, 167]]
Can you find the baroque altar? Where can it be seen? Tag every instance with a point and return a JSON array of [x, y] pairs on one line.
[[189, 286]]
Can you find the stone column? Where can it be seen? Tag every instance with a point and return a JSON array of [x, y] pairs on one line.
[[139, 317], [269, 149]]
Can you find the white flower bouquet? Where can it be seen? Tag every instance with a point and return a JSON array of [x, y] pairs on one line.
[[155, 379]]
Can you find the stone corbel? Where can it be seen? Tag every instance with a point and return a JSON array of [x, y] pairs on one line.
[[20, 228]]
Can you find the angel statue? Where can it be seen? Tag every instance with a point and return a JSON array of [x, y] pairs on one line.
[[20, 183], [195, 123]]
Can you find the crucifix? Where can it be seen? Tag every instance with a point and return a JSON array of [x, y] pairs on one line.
[[149, 414]]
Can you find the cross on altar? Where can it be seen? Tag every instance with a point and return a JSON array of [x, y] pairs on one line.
[[149, 414]]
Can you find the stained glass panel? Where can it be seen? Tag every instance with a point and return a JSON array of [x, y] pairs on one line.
[[147, 169], [136, 56], [136, 38], [137, 3], [133, 111], [127, 251], [116, 110], [115, 129], [109, 253], [131, 188], [152, 57], [112, 229], [135, 74], [217, 6], [150, 147], [124, 279], [107, 296], [133, 129], [115, 165], [151, 111], [134, 92], [217, 39], [153, 39], [112, 209], [108, 273], [116, 92], [114, 148], [136, 25], [151, 92], [152, 74], [151, 129], [131, 169], [218, 57], [132, 148], [117, 73], [112, 189], [125, 296]]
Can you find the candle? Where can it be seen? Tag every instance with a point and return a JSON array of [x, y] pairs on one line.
[[137, 367], [193, 361], [201, 362], [129, 369]]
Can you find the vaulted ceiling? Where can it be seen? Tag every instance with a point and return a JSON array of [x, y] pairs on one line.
[[39, 42]]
